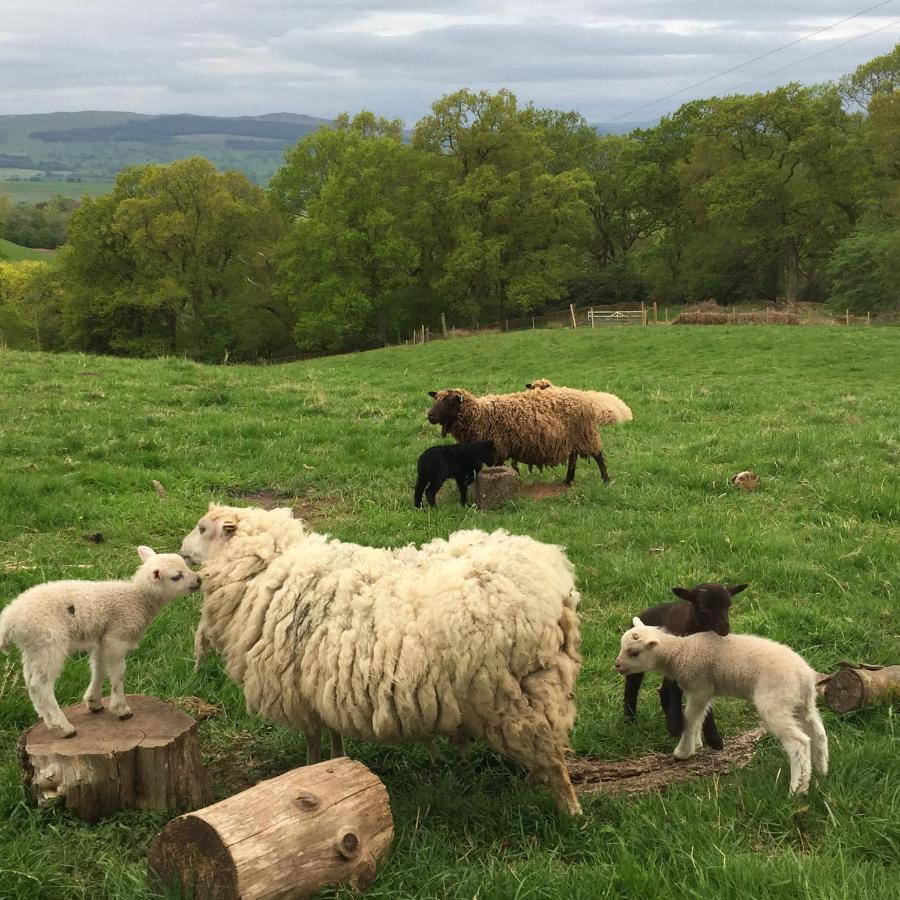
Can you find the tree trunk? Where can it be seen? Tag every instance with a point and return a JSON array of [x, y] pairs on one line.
[[150, 761], [792, 287], [854, 687], [287, 837]]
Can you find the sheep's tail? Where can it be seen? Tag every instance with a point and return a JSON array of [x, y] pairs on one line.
[[609, 408]]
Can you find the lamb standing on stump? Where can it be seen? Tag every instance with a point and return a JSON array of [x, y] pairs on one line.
[[776, 679], [473, 636], [462, 462], [703, 608], [534, 427], [49, 622]]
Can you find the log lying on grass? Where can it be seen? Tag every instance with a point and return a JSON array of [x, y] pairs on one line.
[[656, 770], [289, 836], [854, 687], [150, 761]]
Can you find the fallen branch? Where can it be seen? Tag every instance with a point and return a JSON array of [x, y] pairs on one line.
[[854, 687], [649, 773]]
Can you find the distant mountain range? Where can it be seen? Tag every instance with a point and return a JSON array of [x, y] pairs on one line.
[[94, 146]]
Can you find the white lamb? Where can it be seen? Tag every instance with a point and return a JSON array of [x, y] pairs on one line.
[[49, 622], [473, 636], [706, 665]]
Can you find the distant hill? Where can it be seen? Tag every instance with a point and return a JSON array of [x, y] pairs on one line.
[[92, 146]]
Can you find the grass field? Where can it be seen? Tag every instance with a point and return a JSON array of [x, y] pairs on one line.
[[813, 410], [14, 252], [39, 191]]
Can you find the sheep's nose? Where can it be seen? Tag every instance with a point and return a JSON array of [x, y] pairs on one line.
[[198, 582], [723, 630]]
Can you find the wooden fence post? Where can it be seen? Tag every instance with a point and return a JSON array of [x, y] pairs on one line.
[[532, 323], [667, 313], [507, 324], [847, 317], [643, 313], [572, 311], [655, 313], [868, 318], [767, 315], [444, 325], [591, 316]]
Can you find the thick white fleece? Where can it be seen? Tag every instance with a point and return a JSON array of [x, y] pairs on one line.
[[475, 635]]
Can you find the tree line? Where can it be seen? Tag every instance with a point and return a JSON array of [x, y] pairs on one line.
[[489, 210]]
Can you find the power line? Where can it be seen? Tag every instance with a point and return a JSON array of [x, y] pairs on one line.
[[859, 37], [742, 65]]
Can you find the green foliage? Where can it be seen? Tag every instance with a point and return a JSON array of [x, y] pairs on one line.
[[815, 414], [864, 268], [30, 305], [42, 225], [176, 259]]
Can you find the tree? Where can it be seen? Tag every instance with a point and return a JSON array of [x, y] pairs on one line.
[[511, 223], [30, 299], [351, 265], [864, 268], [878, 76], [176, 259]]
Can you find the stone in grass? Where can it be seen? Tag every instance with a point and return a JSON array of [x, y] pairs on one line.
[[495, 485]]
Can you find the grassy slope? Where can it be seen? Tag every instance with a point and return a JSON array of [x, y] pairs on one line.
[[13, 252], [39, 191], [815, 411]]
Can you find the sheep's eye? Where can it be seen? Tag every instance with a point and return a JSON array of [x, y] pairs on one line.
[[634, 652], [201, 529], [178, 577]]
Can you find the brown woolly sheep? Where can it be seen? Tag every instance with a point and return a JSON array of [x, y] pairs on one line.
[[536, 427]]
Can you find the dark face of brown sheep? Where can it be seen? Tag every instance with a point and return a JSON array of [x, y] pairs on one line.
[[711, 604], [445, 409]]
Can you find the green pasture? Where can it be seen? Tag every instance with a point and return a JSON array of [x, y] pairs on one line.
[[10, 252], [39, 191], [814, 410]]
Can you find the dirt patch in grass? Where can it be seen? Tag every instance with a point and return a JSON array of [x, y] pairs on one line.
[[541, 491], [650, 773], [312, 508]]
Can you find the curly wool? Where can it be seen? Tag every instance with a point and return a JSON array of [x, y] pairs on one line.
[[610, 409], [474, 635], [535, 427]]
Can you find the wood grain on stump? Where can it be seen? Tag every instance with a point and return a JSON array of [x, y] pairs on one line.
[[495, 485], [150, 761], [854, 687], [288, 836]]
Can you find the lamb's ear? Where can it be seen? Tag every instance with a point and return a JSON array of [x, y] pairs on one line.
[[637, 623], [736, 588], [528, 387], [156, 574], [146, 553], [685, 594], [651, 643], [432, 394], [212, 505], [229, 526]]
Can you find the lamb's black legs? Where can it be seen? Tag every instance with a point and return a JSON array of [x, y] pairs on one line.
[[601, 462], [420, 488], [632, 686], [570, 472], [430, 490], [463, 484]]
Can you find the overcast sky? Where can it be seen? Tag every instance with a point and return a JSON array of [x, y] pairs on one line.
[[235, 57]]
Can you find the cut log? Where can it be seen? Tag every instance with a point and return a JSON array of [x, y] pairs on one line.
[[289, 836], [495, 485], [150, 761], [854, 687]]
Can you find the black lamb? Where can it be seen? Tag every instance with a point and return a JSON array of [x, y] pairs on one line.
[[457, 461], [703, 608]]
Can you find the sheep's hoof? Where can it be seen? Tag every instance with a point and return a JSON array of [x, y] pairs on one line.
[[123, 714], [683, 753], [68, 732], [93, 706]]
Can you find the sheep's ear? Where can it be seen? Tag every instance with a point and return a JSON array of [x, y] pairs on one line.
[[637, 623], [736, 588], [685, 594], [229, 526], [432, 394], [651, 643], [146, 553], [212, 505], [529, 386]]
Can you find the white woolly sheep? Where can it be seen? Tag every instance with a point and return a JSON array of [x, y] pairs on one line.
[[543, 427], [473, 636], [706, 665], [49, 622]]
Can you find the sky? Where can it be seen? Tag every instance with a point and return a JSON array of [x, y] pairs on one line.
[[395, 57]]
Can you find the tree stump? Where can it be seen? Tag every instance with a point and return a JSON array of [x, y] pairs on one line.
[[854, 687], [289, 836], [495, 485], [150, 761]]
